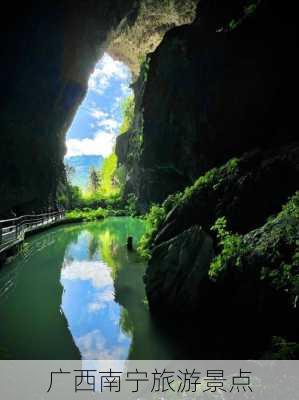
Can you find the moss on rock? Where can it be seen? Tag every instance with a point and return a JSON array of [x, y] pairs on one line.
[[245, 191], [272, 250]]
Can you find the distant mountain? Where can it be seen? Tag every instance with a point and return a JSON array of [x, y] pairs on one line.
[[82, 164]]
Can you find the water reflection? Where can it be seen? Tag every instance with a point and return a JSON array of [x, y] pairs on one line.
[[80, 294]]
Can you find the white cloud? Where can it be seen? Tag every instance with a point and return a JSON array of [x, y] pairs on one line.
[[104, 123], [93, 346], [106, 70], [97, 113], [109, 124], [102, 300], [102, 144], [94, 271], [126, 90]]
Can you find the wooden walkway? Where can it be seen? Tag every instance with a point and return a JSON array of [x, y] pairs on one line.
[[13, 231]]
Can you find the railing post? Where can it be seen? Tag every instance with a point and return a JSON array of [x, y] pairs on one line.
[[22, 227], [0, 233]]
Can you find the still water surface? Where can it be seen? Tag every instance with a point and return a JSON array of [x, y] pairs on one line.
[[75, 292]]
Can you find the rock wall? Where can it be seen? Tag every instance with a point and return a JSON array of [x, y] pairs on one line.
[[152, 19], [212, 95], [49, 49], [237, 281], [217, 105]]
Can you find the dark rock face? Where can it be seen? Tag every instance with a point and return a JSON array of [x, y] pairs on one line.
[[214, 95], [48, 52], [232, 317], [246, 194], [256, 286], [177, 269]]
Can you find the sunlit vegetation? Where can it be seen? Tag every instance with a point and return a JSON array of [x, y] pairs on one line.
[[105, 185], [153, 220], [230, 244], [127, 108], [86, 214], [275, 244], [108, 186], [157, 213]]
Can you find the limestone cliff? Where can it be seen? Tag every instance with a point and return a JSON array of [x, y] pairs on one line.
[[250, 278], [152, 19], [49, 49], [214, 89]]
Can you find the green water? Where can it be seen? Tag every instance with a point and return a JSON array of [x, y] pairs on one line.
[[75, 292]]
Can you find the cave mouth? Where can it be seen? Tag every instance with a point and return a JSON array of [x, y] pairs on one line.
[[90, 140]]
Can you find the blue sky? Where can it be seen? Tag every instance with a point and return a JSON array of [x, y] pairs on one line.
[[98, 119], [89, 304]]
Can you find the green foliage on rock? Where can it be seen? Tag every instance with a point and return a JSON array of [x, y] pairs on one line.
[[107, 185], [131, 206], [231, 244], [153, 219], [272, 249], [127, 108], [144, 68], [281, 237], [211, 179], [207, 182]]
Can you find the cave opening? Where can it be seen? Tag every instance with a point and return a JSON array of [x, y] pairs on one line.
[[199, 166], [90, 159]]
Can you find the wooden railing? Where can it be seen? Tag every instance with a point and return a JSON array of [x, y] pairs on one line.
[[12, 231]]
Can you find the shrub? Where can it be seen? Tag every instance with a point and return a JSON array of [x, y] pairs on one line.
[[131, 206], [209, 181], [108, 185], [272, 249], [231, 245], [86, 214], [153, 220], [127, 108]]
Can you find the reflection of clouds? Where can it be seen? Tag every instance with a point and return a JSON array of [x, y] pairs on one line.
[[101, 300], [105, 365], [93, 346], [94, 271]]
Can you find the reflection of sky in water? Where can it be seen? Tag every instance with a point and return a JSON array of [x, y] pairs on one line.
[[88, 304]]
